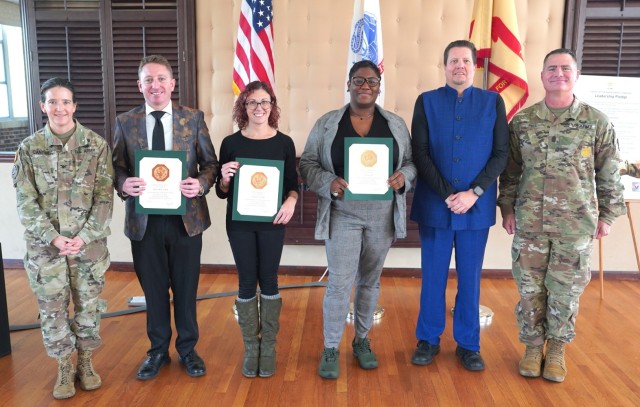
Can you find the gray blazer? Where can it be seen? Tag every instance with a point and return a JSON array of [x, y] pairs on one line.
[[318, 173]]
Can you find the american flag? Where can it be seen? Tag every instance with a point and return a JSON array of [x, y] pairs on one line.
[[254, 48]]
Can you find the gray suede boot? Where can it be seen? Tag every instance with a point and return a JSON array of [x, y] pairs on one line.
[[250, 326], [270, 325]]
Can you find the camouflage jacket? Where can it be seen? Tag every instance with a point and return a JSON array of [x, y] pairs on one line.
[[190, 134], [64, 190], [562, 175], [631, 169]]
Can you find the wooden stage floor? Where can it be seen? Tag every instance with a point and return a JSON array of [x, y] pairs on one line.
[[603, 362]]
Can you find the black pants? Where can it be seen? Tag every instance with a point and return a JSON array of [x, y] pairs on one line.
[[257, 255], [167, 257]]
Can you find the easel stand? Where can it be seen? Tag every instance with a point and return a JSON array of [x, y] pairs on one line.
[[633, 231], [627, 202]]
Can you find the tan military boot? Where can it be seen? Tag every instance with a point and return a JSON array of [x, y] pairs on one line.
[[64, 387], [89, 379], [554, 367], [531, 363]]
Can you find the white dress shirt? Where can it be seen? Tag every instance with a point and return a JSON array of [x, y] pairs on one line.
[[167, 124]]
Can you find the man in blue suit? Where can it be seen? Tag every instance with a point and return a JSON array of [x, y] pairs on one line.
[[460, 146], [166, 248]]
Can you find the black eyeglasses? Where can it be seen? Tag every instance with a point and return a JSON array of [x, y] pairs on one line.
[[359, 81], [253, 104]]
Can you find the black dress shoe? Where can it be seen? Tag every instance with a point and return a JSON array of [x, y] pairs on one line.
[[469, 359], [194, 364], [152, 364], [424, 353]]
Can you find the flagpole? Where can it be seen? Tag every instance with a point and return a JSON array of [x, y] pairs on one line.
[[365, 43], [486, 36], [486, 313], [485, 74]]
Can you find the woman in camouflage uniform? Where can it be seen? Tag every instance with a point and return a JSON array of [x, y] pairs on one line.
[[64, 185]]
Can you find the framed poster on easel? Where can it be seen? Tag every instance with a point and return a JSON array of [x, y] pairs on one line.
[[619, 98]]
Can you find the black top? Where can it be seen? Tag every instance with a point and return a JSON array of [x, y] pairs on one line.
[[379, 128], [278, 147]]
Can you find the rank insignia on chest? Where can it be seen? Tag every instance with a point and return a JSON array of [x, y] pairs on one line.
[[586, 151]]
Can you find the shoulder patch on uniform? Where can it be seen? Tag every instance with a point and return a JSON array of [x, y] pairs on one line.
[[14, 173]]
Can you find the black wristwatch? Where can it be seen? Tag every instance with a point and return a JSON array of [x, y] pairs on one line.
[[478, 191]]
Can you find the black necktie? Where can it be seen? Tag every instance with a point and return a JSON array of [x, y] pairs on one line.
[[158, 132]]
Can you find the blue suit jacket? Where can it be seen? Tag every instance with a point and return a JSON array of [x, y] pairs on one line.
[[190, 134], [460, 143]]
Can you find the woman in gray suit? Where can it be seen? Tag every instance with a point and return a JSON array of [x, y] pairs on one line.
[[357, 233]]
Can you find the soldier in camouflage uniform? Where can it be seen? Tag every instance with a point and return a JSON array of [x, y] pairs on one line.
[[561, 189], [63, 177], [631, 169]]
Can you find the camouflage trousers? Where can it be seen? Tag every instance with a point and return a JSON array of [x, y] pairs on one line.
[[550, 272], [55, 280]]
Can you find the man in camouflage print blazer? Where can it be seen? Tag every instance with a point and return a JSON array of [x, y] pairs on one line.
[[166, 248]]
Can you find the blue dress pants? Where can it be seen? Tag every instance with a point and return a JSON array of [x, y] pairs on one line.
[[437, 245]]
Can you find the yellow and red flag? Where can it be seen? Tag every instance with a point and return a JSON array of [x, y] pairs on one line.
[[494, 32]]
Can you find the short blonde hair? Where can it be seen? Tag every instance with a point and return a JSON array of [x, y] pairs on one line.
[[155, 59]]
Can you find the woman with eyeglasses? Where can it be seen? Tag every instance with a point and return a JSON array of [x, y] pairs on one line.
[[257, 246], [357, 233]]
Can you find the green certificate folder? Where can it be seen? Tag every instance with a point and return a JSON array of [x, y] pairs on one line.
[[257, 190], [368, 165], [162, 171]]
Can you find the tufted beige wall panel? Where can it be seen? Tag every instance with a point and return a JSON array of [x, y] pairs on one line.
[[310, 52], [311, 40]]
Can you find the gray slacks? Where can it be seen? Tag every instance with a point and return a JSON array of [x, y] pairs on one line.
[[360, 235]]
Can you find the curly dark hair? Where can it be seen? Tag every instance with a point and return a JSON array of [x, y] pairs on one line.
[[240, 115]]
